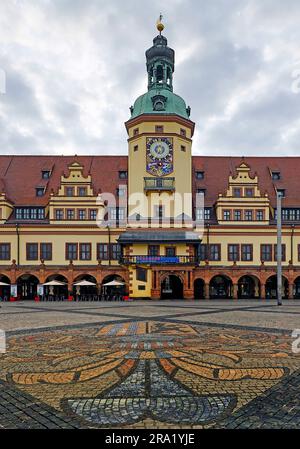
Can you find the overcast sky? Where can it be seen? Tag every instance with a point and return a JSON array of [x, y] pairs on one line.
[[74, 67]]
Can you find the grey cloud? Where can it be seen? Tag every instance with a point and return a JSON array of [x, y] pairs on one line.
[[74, 68]]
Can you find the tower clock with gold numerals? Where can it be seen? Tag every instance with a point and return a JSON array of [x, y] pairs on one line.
[[159, 156]]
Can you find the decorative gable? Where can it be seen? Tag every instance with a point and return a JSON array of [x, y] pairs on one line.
[[243, 200]]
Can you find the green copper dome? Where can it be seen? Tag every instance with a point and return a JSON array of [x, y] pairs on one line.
[[161, 102], [160, 99]]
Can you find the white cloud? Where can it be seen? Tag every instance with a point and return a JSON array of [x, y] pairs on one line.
[[73, 68]]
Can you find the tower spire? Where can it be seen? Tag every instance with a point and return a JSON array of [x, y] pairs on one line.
[[159, 25]]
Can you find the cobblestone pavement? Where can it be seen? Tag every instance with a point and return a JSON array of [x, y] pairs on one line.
[[150, 365]]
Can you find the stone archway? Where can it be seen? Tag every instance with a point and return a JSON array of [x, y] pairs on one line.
[[57, 290], [248, 287], [271, 287], [171, 287], [27, 286], [221, 287], [297, 288], [4, 289]]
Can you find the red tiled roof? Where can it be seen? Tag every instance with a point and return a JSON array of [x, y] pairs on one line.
[[218, 168], [20, 175]]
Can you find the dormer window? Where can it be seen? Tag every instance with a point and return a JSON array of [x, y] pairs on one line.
[[122, 174], [199, 174], [39, 191], [46, 174], [281, 192], [276, 176]]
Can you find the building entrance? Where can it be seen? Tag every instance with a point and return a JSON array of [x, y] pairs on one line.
[[172, 288]]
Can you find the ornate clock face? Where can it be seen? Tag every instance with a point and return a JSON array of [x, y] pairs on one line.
[[159, 156], [159, 150]]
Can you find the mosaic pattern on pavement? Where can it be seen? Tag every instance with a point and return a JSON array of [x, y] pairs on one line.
[[148, 374]]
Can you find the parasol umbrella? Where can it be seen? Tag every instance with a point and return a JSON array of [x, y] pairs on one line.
[[113, 284], [54, 283], [3, 283], [84, 282]]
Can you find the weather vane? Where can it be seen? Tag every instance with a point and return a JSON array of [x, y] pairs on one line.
[[159, 25]]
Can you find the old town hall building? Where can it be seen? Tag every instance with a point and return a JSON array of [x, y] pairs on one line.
[[163, 222]]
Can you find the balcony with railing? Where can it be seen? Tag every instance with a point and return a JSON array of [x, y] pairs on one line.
[[159, 184], [159, 260]]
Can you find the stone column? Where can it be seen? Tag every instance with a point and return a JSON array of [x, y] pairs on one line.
[[263, 291], [291, 290], [206, 291], [235, 291]]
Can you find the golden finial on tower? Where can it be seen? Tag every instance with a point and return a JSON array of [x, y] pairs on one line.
[[159, 25]]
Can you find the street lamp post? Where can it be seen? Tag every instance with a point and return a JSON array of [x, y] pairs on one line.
[[279, 250]]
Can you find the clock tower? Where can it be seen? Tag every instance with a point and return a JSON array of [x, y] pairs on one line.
[[160, 138]]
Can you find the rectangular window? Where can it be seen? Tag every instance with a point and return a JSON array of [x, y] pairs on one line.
[[276, 175], [237, 215], [69, 191], [59, 214], [215, 252], [159, 129], [39, 191], [183, 132], [71, 251], [122, 174], [141, 274], [93, 214], [32, 251], [115, 251], [81, 214], [46, 251], [199, 174], [183, 148], [237, 192], [201, 191], [82, 191], [102, 251], [247, 253], [70, 214], [249, 192], [202, 254], [226, 215], [136, 132], [4, 251], [298, 253], [233, 253], [283, 252], [153, 250], [266, 253], [207, 214], [85, 251], [33, 213], [135, 148], [248, 215], [259, 215], [170, 251], [199, 214], [46, 174], [281, 192]]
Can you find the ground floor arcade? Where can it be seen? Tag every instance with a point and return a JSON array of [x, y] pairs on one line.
[[167, 282]]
